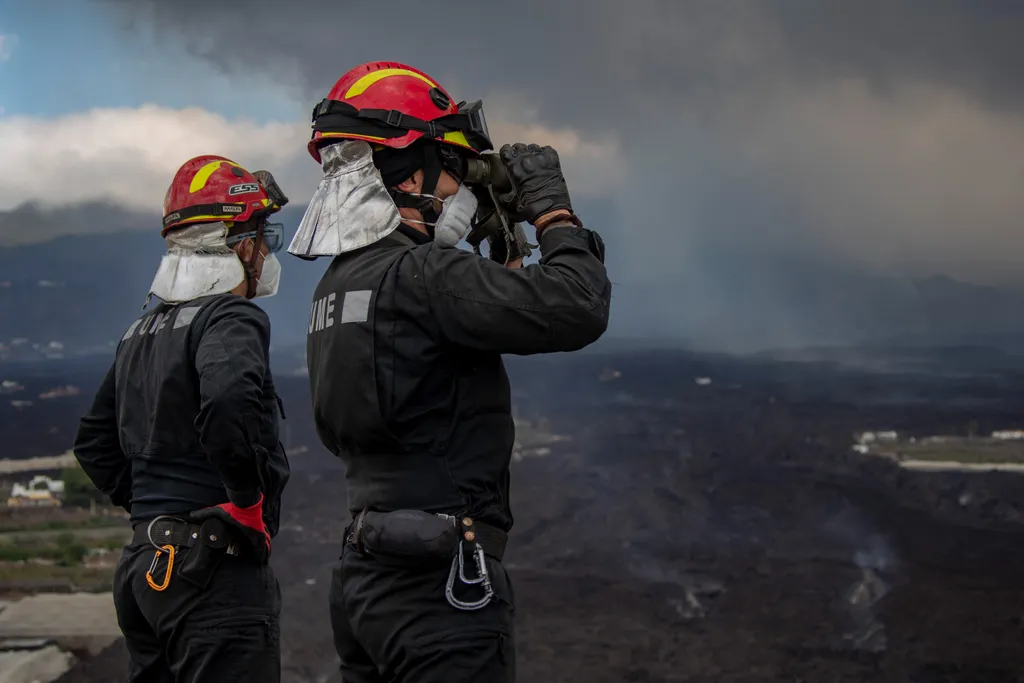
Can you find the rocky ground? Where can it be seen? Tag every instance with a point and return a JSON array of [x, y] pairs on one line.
[[723, 537], [806, 582]]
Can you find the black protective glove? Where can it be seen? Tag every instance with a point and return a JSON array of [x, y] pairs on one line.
[[537, 176], [247, 521]]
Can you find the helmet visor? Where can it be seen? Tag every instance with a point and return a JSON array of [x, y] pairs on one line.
[[477, 133]]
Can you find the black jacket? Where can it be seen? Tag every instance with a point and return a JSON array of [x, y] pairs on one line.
[[187, 415], [404, 355]]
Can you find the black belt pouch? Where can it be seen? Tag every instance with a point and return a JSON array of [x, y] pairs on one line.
[[203, 558], [406, 538]]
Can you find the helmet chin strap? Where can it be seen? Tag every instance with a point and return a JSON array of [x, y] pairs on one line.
[[423, 201], [251, 282]]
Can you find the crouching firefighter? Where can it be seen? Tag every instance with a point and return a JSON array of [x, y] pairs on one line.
[[183, 434], [404, 356]]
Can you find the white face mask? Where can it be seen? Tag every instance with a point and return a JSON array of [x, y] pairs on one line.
[[270, 279], [455, 218]]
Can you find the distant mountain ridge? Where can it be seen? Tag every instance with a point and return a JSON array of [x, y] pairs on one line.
[[82, 291], [85, 290]]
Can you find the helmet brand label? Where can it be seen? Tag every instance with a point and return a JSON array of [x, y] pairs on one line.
[[244, 188]]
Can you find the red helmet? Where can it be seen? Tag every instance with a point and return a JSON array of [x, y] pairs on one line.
[[393, 105], [212, 188]]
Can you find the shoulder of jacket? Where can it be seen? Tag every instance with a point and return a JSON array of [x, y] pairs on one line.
[[414, 257], [223, 305], [443, 252]]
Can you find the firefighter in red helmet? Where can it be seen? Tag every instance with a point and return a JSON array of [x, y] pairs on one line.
[[404, 349], [183, 434]]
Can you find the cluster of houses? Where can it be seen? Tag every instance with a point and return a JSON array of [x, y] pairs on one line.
[[39, 491], [35, 482], [865, 439]]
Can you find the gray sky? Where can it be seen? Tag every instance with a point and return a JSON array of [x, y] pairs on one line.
[[875, 132], [883, 136]]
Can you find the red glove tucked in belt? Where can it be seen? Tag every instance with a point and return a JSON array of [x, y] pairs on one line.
[[248, 521]]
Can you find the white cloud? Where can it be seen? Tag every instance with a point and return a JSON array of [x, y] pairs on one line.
[[128, 156], [7, 43], [591, 166]]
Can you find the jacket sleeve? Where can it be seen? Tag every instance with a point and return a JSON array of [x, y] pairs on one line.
[[98, 446], [558, 304], [231, 361]]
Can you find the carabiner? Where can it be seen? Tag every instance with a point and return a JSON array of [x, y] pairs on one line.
[[149, 529], [484, 578], [481, 566], [159, 551], [167, 576]]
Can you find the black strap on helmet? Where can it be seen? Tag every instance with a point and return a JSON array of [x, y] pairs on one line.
[[217, 211], [335, 116], [249, 266]]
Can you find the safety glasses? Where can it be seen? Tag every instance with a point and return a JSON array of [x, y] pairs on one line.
[[273, 237]]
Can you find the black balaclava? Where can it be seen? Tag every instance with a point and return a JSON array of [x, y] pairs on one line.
[[398, 165]]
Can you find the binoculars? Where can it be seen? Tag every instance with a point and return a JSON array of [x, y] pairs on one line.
[[494, 220], [488, 170]]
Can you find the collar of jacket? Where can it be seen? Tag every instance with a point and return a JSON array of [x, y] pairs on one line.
[[412, 233]]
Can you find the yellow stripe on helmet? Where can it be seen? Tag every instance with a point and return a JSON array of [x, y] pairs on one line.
[[458, 137], [203, 174], [208, 219], [360, 86], [352, 136]]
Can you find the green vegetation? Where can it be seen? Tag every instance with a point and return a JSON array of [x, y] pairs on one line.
[[98, 522], [84, 578], [65, 550], [958, 450], [59, 556], [69, 551], [79, 490], [17, 553]]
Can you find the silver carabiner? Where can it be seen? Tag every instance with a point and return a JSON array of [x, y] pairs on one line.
[[149, 529], [483, 578], [481, 566]]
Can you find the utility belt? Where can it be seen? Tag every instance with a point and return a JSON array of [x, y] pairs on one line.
[[413, 538], [208, 544]]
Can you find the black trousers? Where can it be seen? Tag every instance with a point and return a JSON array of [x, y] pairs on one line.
[[394, 625], [229, 631]]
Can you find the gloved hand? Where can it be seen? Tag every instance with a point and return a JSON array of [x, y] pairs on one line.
[[498, 247], [536, 174], [248, 521]]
